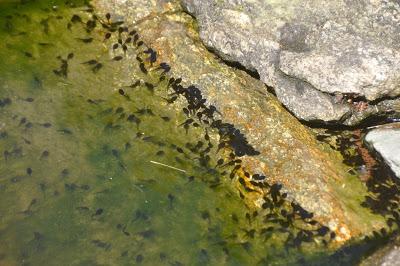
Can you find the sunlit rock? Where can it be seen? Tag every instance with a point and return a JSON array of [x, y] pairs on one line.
[[324, 60], [386, 141]]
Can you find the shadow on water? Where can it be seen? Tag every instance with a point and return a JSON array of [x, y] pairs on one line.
[[108, 160]]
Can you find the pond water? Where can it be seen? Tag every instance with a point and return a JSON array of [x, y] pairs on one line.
[[100, 165]]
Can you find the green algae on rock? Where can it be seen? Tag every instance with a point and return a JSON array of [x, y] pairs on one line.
[[314, 177]]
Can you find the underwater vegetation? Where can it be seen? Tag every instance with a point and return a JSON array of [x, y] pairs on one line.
[[101, 166]]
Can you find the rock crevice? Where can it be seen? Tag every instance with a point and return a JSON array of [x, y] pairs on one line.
[[339, 48]]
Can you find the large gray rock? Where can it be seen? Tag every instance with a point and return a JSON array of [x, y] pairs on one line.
[[386, 141], [311, 52]]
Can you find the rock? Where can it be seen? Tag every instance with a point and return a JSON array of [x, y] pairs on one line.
[[386, 256], [392, 258], [311, 53], [386, 141], [311, 174]]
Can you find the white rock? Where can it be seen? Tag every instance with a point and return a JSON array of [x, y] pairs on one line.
[[386, 141]]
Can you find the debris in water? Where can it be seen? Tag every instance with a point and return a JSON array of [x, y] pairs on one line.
[[169, 166]]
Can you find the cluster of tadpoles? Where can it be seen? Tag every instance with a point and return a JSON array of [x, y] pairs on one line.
[[63, 69], [277, 211], [385, 200], [383, 186], [4, 102]]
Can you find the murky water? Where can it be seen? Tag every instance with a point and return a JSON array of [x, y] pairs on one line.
[[101, 166]]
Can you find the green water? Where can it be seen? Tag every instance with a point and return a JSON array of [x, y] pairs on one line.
[[82, 184]]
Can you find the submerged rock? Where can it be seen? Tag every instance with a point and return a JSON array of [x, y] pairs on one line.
[[386, 141], [311, 174], [324, 60]]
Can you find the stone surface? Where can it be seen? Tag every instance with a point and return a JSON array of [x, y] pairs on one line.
[[392, 258], [386, 256], [311, 52], [386, 141], [312, 174]]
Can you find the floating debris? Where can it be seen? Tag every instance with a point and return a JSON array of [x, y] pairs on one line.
[[169, 166]]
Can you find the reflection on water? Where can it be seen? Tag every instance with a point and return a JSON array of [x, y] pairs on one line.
[[109, 165]]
